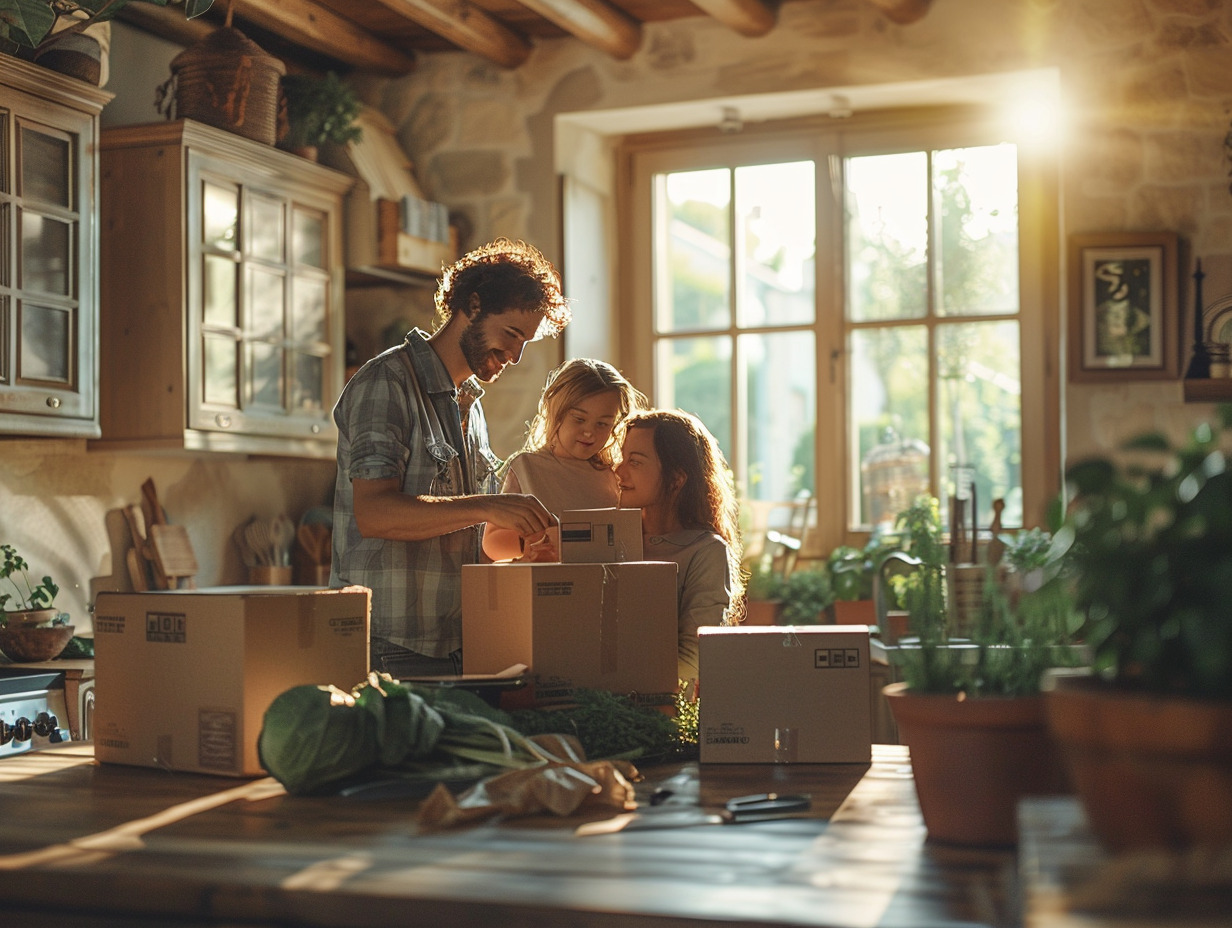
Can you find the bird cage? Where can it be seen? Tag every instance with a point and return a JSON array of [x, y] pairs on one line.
[[893, 474]]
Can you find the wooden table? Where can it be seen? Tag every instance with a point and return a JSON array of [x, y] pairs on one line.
[[108, 845]]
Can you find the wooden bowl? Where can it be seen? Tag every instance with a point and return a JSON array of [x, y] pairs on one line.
[[38, 643]]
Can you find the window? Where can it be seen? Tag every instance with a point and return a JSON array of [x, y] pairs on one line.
[[847, 312]]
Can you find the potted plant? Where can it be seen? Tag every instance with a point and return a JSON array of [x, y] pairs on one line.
[[763, 595], [970, 709], [41, 29], [31, 629], [853, 572], [806, 595], [319, 110], [1146, 734]]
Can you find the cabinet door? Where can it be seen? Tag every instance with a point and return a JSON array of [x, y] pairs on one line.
[[261, 306], [47, 260]]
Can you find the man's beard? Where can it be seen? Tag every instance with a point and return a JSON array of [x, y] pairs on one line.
[[475, 348]]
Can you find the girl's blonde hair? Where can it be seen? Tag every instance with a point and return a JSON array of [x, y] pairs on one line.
[[707, 497], [567, 386]]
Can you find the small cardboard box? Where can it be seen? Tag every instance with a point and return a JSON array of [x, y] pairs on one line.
[[598, 626], [784, 694], [600, 536], [183, 677]]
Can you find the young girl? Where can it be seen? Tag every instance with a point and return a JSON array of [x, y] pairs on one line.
[[566, 461], [672, 469]]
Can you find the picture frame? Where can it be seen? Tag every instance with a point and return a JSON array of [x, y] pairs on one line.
[[1123, 296]]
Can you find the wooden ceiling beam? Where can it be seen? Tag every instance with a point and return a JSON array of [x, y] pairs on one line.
[[298, 21], [594, 22], [902, 12], [748, 17], [466, 26]]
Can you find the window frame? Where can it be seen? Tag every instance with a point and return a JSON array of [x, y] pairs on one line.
[[827, 142]]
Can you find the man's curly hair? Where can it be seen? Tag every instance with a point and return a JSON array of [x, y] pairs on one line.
[[506, 275]]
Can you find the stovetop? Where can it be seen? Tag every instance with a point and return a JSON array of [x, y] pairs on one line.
[[28, 720]]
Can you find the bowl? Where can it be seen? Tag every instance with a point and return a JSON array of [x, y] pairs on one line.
[[37, 643]]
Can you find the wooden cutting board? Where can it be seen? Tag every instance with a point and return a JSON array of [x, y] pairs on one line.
[[173, 553]]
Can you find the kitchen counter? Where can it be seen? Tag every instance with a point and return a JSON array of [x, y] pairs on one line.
[[109, 845]]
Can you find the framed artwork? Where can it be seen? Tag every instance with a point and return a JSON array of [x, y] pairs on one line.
[[1123, 322]]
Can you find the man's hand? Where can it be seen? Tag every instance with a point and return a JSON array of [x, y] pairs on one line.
[[519, 512]]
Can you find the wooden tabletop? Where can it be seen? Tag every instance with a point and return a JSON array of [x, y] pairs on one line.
[[108, 845]]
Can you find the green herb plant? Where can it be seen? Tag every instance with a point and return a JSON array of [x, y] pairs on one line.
[[1150, 538], [806, 594], [26, 595], [854, 570], [320, 110], [1013, 640]]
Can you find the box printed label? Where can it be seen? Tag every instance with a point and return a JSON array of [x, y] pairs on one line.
[[216, 739], [347, 625], [836, 658], [554, 588], [726, 733], [109, 624], [166, 627]]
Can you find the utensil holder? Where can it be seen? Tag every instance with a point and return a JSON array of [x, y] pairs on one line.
[[264, 575]]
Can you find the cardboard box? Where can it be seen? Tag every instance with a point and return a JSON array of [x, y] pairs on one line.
[[598, 626], [183, 678], [600, 536], [786, 694]]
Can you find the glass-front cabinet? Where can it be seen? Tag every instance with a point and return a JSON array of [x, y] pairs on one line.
[[225, 291], [48, 251]]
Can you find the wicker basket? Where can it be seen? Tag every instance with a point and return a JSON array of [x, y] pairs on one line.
[[228, 81]]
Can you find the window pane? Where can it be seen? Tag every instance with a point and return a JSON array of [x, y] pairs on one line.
[[218, 301], [46, 254], [220, 371], [888, 417], [887, 230], [308, 243], [695, 375], [308, 387], [775, 216], [266, 362], [45, 345], [265, 302], [693, 262], [780, 414], [308, 312], [979, 415], [45, 168], [265, 228], [976, 203], [219, 217]]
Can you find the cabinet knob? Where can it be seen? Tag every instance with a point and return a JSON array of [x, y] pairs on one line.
[[316, 428], [53, 402], [222, 421]]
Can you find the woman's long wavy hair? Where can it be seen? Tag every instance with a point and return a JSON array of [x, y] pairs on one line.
[[569, 385], [707, 497]]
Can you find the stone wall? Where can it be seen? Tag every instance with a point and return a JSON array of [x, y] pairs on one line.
[[1146, 84]]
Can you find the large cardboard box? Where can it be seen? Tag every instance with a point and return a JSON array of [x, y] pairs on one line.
[[183, 678], [600, 536], [598, 626], [787, 694]]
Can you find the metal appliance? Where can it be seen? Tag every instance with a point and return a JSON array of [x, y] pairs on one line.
[[30, 712]]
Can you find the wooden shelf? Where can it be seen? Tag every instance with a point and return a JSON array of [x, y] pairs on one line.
[[1210, 390], [379, 252]]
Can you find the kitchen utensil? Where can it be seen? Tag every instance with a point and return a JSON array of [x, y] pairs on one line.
[[173, 554], [759, 807], [282, 537], [150, 505], [260, 542]]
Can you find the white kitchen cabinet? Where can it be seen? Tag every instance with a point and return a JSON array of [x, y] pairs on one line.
[[222, 293], [48, 251]]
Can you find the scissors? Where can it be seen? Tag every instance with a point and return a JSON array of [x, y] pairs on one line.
[[759, 807]]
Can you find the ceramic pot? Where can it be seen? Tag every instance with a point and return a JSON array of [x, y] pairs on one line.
[[1151, 771], [973, 759], [29, 643], [762, 612]]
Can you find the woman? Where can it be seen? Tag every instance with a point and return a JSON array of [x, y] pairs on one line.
[[672, 469]]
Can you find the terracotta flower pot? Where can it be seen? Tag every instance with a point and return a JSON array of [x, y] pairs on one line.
[[34, 643], [762, 612], [973, 759], [1151, 771]]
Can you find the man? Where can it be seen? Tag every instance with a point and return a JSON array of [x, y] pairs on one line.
[[416, 479]]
